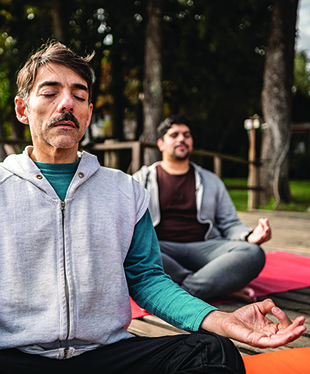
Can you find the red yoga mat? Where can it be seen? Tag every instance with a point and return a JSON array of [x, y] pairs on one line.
[[283, 272]]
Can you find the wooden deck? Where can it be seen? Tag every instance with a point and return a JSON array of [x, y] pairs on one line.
[[291, 233]]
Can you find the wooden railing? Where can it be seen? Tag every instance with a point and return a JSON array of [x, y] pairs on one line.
[[111, 149], [12, 146]]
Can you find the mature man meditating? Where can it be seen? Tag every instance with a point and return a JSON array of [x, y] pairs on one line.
[[77, 239]]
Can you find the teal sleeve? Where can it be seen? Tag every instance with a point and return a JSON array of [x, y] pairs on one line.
[[154, 290]]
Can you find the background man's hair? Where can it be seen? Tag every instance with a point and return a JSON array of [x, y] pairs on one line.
[[175, 119], [53, 52]]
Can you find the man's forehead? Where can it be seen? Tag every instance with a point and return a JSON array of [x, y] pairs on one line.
[[52, 72], [178, 128]]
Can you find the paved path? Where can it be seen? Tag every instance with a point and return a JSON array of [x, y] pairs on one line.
[[290, 230]]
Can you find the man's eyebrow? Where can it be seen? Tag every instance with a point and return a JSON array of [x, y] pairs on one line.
[[180, 132], [80, 86], [58, 84]]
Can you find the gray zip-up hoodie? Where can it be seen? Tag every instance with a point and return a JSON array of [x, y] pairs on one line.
[[214, 206], [62, 276]]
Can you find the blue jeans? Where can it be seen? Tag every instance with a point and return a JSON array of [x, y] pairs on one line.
[[212, 268]]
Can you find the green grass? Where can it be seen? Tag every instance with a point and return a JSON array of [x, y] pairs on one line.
[[300, 191]]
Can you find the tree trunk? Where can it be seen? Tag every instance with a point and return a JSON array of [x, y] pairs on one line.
[[59, 21], [276, 102], [153, 93], [117, 91]]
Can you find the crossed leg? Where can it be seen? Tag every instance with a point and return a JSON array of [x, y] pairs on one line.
[[214, 268]]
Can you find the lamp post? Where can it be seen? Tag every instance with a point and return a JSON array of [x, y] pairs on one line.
[[251, 125]]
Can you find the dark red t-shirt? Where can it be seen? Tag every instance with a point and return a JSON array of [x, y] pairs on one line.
[[178, 210]]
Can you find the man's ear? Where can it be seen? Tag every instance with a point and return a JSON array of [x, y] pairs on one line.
[[160, 144], [21, 110], [90, 111]]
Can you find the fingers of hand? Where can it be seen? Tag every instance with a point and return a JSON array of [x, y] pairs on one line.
[[266, 232], [282, 337], [297, 325], [265, 333], [276, 340], [288, 335], [264, 222], [282, 317]]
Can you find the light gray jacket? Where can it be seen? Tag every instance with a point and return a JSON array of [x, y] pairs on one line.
[[214, 206], [62, 275]]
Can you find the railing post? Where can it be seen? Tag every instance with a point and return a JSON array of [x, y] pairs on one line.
[[111, 157], [136, 157], [253, 195], [217, 165]]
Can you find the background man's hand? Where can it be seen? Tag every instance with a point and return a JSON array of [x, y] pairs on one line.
[[250, 325], [261, 233]]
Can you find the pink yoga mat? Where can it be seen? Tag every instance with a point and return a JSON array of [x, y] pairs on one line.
[[283, 272]]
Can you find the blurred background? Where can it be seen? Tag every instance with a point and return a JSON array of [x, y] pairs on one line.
[[218, 63]]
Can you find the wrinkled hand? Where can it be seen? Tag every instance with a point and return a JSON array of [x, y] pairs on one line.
[[250, 325], [261, 233]]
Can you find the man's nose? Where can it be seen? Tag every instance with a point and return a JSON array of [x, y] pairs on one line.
[[66, 104], [181, 138]]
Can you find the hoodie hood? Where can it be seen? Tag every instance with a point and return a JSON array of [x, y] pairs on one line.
[[22, 166]]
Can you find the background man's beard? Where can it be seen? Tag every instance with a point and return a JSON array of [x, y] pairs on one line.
[[181, 157]]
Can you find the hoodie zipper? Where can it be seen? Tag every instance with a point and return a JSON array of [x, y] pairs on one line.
[[63, 205]]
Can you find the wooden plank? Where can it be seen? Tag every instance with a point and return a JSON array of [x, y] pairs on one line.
[[288, 304], [302, 298], [109, 146], [305, 291], [142, 328], [9, 149], [163, 324]]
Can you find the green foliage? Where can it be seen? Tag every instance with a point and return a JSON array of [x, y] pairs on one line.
[[213, 67], [302, 72], [239, 197], [300, 190], [213, 58], [111, 29], [19, 34]]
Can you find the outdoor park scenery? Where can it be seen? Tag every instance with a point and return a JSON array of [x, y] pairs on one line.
[[235, 68], [219, 63]]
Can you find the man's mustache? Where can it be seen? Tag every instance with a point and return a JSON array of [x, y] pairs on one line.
[[66, 116], [180, 145]]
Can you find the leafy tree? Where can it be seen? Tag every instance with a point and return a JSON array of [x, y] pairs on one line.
[[112, 29], [213, 56], [302, 72], [19, 28], [213, 67]]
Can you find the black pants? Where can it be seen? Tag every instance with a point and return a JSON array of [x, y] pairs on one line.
[[195, 353]]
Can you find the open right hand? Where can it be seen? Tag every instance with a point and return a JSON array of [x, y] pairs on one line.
[[250, 325]]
